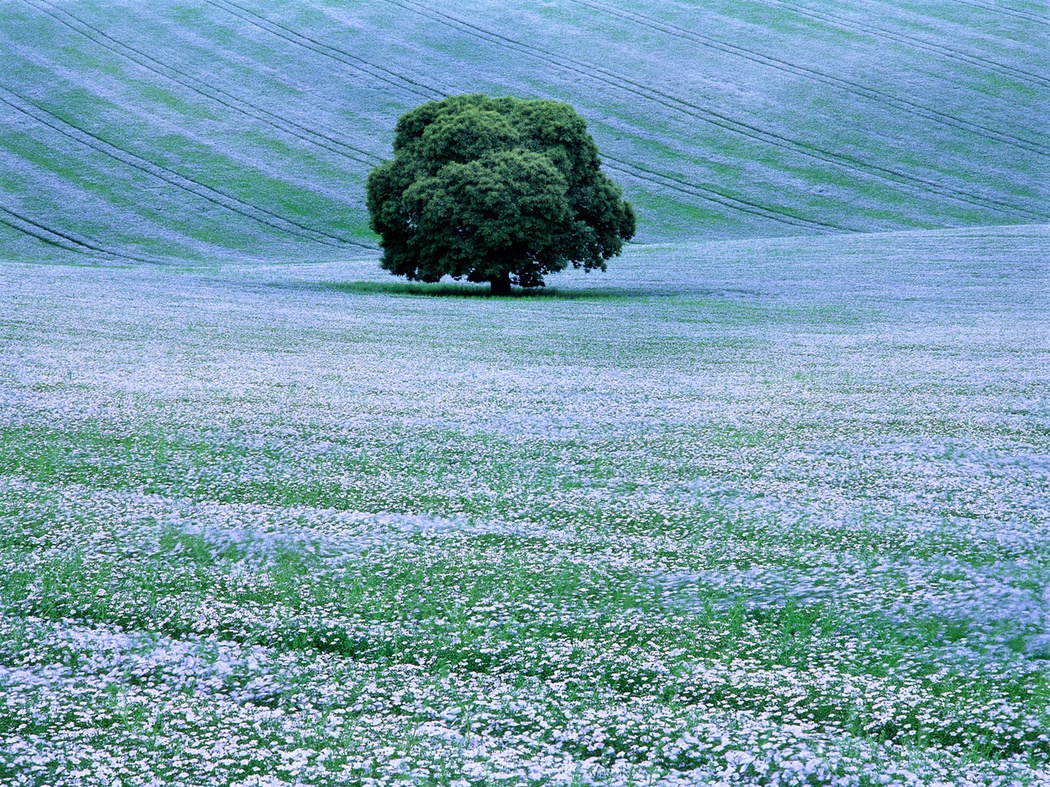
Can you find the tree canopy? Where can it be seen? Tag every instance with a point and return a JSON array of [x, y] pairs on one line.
[[499, 190]]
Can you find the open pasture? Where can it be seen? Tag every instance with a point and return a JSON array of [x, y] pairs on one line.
[[740, 512]]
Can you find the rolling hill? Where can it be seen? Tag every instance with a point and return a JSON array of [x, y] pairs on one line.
[[236, 129]]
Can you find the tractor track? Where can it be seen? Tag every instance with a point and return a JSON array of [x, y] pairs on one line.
[[706, 193], [1021, 75], [172, 177], [603, 76], [847, 86], [1017, 14], [695, 191], [663, 180], [219, 96], [710, 194], [327, 50], [53, 237]]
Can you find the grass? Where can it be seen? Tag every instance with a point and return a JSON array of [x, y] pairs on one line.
[[262, 525], [461, 290], [747, 509]]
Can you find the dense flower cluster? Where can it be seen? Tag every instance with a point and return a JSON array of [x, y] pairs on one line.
[[784, 522]]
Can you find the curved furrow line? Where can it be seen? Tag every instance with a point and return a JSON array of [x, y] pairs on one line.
[[1014, 12], [1019, 74], [327, 50], [53, 237], [710, 194], [705, 192], [170, 176], [692, 191], [212, 93], [844, 161], [33, 231], [846, 85]]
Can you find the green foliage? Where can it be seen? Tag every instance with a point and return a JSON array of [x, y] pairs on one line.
[[496, 190]]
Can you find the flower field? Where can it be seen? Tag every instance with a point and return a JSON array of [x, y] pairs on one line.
[[741, 512]]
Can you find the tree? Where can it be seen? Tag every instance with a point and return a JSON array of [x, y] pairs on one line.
[[499, 190]]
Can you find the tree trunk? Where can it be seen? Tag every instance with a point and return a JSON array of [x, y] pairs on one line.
[[500, 284]]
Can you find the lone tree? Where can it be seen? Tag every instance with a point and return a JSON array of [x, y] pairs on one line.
[[501, 190]]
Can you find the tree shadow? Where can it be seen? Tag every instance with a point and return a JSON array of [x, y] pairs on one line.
[[461, 290]]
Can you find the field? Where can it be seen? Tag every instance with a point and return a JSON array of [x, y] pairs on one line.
[[205, 129], [763, 512], [768, 503]]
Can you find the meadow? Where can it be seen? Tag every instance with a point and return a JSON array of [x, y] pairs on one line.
[[737, 512], [766, 504]]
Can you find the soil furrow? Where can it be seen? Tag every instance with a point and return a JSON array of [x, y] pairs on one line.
[[1019, 74], [172, 177], [713, 195], [844, 161], [998, 9], [222, 97], [703, 192], [38, 234], [848, 86], [42, 231], [326, 50]]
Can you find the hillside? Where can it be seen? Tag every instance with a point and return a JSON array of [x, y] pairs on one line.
[[231, 128]]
